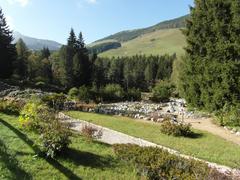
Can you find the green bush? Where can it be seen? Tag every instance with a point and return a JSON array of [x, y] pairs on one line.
[[113, 92], [54, 136], [155, 163], [29, 116], [10, 107], [84, 94], [55, 100], [229, 116], [162, 91], [73, 93], [133, 94], [40, 84], [176, 129]]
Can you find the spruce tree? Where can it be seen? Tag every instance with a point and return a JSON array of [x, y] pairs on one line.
[[20, 64], [210, 77], [7, 49]]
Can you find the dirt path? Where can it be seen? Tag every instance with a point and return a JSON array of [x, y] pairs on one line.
[[206, 124]]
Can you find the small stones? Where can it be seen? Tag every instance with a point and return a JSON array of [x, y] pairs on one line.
[[238, 133]]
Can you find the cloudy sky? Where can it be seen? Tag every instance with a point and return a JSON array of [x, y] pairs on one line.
[[52, 19]]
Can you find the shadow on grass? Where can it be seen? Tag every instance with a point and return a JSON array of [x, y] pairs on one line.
[[68, 173], [194, 135], [81, 158], [11, 163]]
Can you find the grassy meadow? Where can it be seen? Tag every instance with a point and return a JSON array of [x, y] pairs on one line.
[[167, 41]]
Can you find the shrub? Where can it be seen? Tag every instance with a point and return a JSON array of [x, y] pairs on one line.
[[113, 92], [30, 118], [162, 91], [176, 129], [11, 107], [53, 134], [91, 133], [55, 100], [73, 93], [133, 94], [84, 94], [40, 84], [229, 116], [155, 163]]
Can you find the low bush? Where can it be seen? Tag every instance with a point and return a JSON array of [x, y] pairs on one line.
[[176, 129], [55, 100], [11, 107], [40, 84], [162, 91], [54, 136], [29, 116], [73, 93], [84, 94], [229, 116], [91, 133], [113, 92], [155, 163], [133, 94]]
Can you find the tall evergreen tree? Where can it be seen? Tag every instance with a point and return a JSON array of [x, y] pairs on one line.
[[7, 49], [45, 53], [20, 64], [210, 77]]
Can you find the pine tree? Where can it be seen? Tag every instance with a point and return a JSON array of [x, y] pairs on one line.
[[20, 64], [45, 53], [7, 49], [210, 77]]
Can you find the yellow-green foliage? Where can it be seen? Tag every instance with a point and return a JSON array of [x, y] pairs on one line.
[[29, 115]]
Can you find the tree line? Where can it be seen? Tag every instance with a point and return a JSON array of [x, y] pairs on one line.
[[74, 66]]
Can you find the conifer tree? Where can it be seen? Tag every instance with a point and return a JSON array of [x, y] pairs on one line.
[[20, 63], [210, 77], [7, 49]]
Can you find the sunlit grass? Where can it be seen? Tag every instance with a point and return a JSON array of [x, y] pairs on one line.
[[83, 160], [207, 146]]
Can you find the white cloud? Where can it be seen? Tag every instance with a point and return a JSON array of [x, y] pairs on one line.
[[10, 22], [22, 3]]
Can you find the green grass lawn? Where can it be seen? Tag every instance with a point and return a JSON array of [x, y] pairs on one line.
[[207, 146], [83, 160]]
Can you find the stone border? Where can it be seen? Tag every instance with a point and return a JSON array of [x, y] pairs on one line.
[[141, 142]]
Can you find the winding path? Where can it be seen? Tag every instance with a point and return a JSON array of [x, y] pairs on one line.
[[110, 136]]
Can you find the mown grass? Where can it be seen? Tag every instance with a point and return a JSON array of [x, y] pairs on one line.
[[204, 146], [19, 158], [167, 41]]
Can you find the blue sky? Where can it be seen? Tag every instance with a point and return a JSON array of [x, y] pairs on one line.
[[52, 19]]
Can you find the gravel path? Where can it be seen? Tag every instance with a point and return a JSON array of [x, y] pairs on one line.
[[110, 136], [206, 124]]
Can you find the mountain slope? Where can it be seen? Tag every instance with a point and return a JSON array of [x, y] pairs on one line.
[[156, 43], [36, 44], [132, 34]]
